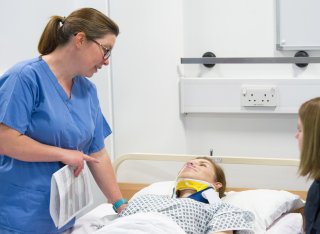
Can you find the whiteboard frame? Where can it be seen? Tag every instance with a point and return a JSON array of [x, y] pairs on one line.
[[279, 44]]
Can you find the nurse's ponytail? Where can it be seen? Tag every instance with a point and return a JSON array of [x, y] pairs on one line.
[[53, 35]]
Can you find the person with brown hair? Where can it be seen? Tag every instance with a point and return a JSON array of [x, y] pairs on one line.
[[50, 117], [215, 176], [195, 205], [308, 136]]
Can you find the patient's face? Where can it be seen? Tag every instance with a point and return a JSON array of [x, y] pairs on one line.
[[199, 169]]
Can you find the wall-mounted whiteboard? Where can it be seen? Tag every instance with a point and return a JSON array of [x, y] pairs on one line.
[[298, 24]]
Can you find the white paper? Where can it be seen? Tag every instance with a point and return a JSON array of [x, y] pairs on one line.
[[69, 194]]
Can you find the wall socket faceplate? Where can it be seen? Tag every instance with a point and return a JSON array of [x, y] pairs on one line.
[[259, 96]]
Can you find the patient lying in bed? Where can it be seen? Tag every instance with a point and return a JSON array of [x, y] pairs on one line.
[[194, 207]]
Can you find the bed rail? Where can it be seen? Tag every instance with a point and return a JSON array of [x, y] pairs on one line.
[[217, 159]]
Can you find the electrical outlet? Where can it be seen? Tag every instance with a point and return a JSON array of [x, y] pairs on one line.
[[259, 95]]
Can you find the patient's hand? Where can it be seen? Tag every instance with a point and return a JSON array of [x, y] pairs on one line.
[[121, 208]]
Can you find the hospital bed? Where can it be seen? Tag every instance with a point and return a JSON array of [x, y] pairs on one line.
[[276, 210]]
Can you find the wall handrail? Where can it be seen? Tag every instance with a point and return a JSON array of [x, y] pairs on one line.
[[209, 59]]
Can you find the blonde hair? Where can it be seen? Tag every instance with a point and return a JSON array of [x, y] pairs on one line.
[[220, 176], [309, 114], [88, 20]]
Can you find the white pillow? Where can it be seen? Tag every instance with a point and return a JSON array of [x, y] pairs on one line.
[[288, 223], [267, 205]]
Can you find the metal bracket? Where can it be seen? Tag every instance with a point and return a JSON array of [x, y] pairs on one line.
[[301, 59]]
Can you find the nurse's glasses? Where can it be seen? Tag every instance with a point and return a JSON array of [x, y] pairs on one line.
[[106, 51]]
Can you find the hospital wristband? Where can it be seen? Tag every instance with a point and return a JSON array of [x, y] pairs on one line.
[[119, 203]]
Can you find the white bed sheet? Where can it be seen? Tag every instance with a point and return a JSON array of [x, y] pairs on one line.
[[102, 214], [142, 223], [103, 220], [94, 219], [102, 210]]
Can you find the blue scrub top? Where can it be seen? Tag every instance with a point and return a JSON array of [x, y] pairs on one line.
[[33, 103]]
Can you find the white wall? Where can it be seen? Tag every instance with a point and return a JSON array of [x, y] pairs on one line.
[[145, 78], [154, 36]]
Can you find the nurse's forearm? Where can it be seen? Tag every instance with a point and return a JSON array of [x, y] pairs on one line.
[[104, 176], [24, 148]]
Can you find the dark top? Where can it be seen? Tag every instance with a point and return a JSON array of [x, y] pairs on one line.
[[312, 209]]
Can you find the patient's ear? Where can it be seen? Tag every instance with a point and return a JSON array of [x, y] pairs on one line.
[[217, 185]]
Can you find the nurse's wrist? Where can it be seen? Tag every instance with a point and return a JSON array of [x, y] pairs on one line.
[[62, 155]]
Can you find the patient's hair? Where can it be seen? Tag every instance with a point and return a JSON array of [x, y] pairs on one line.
[[220, 176], [309, 114]]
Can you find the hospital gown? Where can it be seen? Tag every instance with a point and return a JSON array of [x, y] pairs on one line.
[[193, 216]]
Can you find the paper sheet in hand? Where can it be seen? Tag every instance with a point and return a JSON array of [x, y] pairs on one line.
[[69, 194]]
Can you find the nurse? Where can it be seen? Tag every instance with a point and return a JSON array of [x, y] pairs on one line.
[[50, 117]]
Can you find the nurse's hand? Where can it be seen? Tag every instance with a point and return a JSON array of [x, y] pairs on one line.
[[76, 159]]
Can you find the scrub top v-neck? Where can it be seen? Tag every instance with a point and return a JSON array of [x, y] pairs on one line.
[[33, 103]]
